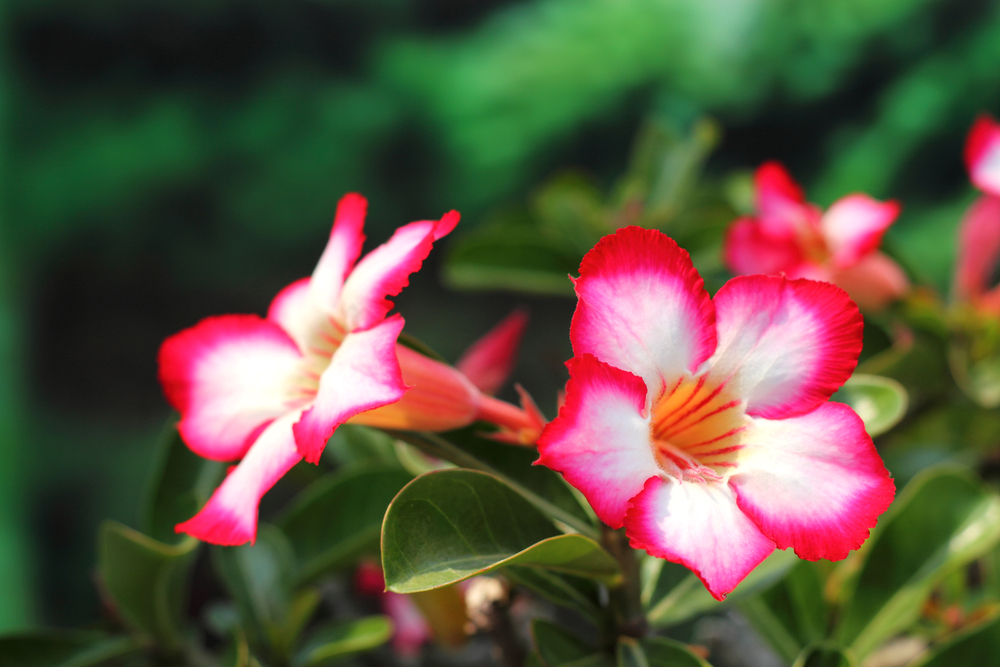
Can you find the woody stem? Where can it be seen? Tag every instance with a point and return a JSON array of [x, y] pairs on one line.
[[626, 604]]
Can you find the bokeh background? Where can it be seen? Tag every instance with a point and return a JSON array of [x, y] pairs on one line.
[[169, 160]]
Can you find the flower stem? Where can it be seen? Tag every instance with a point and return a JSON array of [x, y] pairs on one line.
[[626, 602]]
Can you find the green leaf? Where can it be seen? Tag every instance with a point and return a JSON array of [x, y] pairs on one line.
[[147, 580], [544, 488], [678, 595], [655, 652], [792, 614], [259, 579], [339, 517], [881, 402], [977, 644], [557, 647], [50, 648], [449, 525], [943, 519], [181, 483], [339, 640], [510, 257], [825, 654], [356, 445], [979, 378]]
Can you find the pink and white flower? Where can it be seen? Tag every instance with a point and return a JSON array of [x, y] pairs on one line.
[[796, 238], [979, 233], [271, 391], [703, 426]]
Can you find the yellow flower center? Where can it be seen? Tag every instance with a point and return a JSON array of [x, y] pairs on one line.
[[696, 429]]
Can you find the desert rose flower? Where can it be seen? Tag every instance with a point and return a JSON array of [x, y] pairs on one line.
[[703, 426], [271, 391], [979, 233], [791, 236]]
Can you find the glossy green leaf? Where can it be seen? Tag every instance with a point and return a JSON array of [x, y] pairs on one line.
[[943, 519], [542, 487], [339, 640], [655, 652], [557, 646], [825, 654], [339, 517], [881, 402], [449, 525], [51, 648], [181, 483], [977, 644], [147, 580], [259, 580], [979, 378], [673, 595]]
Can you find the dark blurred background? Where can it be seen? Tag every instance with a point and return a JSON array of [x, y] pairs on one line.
[[166, 161]]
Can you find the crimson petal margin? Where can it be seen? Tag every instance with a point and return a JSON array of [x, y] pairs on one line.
[[699, 526], [341, 252], [386, 270], [785, 345], [489, 361], [230, 515], [363, 374], [643, 307], [228, 376], [982, 155], [600, 440], [748, 250], [814, 483], [854, 225]]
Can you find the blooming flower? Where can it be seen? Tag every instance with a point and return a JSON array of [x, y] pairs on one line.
[[796, 238], [979, 233], [703, 426], [271, 391]]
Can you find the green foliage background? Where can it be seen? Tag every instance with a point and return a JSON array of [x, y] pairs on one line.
[[165, 161]]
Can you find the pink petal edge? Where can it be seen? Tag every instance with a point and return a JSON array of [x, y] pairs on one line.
[[600, 440], [227, 376], [785, 345], [982, 155], [363, 374], [814, 483], [699, 526], [490, 360], [643, 307], [854, 225]]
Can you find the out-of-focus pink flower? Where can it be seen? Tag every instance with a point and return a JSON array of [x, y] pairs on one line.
[[412, 630], [796, 238], [272, 391], [704, 427], [979, 234]]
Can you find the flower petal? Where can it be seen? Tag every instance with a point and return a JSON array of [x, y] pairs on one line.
[[439, 398], [982, 155], [342, 250], [747, 250], [814, 483], [853, 227], [600, 440], [294, 311], [230, 516], [978, 248], [363, 374], [699, 526], [228, 376], [386, 270], [874, 282], [781, 205], [489, 361], [785, 345], [643, 307]]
